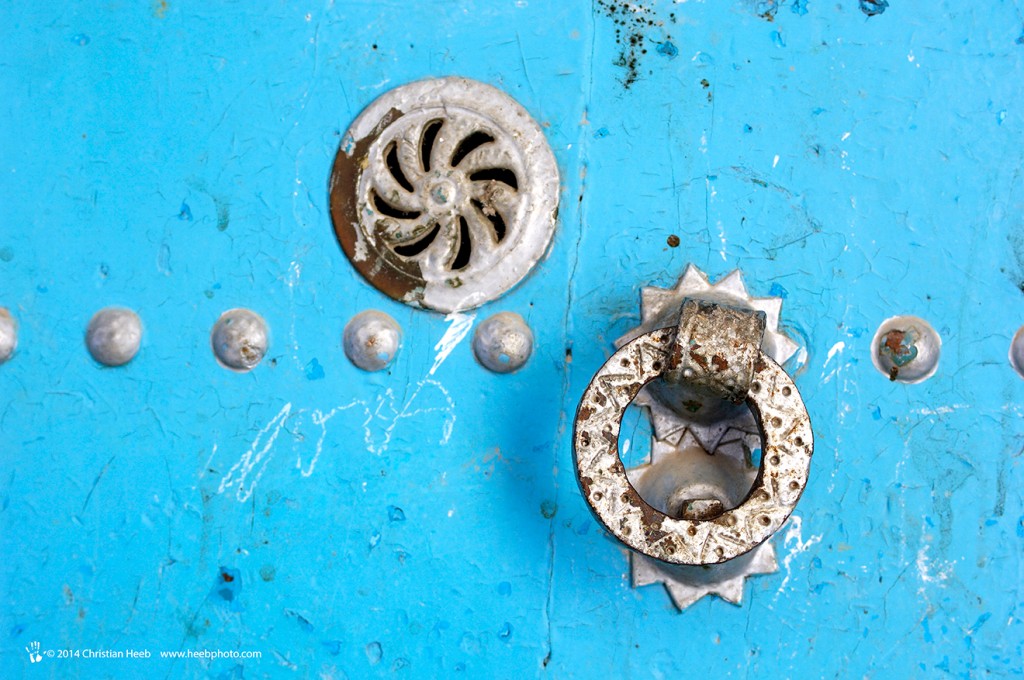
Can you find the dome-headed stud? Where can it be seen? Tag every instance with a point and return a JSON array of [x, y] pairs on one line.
[[906, 349], [113, 336], [240, 339], [503, 343], [8, 335], [371, 340]]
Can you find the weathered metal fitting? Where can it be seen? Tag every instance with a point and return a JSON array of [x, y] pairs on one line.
[[906, 349], [8, 335], [113, 336], [715, 348], [503, 343], [704, 532], [371, 340], [240, 339], [444, 193]]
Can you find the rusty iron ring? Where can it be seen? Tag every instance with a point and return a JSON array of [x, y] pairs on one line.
[[787, 446]]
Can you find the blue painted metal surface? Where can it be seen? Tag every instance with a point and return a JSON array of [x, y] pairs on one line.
[[174, 158]]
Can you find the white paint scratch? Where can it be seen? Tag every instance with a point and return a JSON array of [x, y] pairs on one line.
[[836, 349], [202, 473], [459, 328], [380, 419], [939, 410], [794, 542], [250, 459], [932, 571], [320, 419]]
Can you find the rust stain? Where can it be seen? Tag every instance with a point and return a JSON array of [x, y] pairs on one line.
[[720, 363], [699, 359], [160, 9], [401, 279], [894, 342]]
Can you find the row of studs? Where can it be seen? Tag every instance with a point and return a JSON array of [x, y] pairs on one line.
[[240, 338]]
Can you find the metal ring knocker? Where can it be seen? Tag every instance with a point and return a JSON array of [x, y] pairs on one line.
[[716, 348]]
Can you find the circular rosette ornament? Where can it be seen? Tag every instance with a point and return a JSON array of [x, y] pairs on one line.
[[444, 193]]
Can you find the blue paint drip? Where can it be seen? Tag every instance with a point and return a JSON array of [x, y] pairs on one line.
[[303, 622], [1020, 40], [396, 514], [333, 647], [873, 7], [80, 39], [877, 413], [227, 588], [185, 212], [777, 39], [799, 7], [601, 132], [505, 588], [668, 49], [314, 371], [778, 291], [506, 632]]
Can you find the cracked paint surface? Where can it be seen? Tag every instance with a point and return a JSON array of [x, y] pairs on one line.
[[174, 158]]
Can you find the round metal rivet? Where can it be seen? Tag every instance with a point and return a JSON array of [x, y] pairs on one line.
[[503, 343], [240, 339], [371, 340], [113, 336], [1017, 352], [444, 193], [8, 335], [906, 349]]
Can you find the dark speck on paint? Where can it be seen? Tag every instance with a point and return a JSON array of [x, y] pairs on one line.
[[396, 514], [548, 509], [873, 7], [185, 212], [223, 216], [228, 585], [633, 26]]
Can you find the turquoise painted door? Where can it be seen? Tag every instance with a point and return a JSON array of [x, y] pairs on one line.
[[307, 519]]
